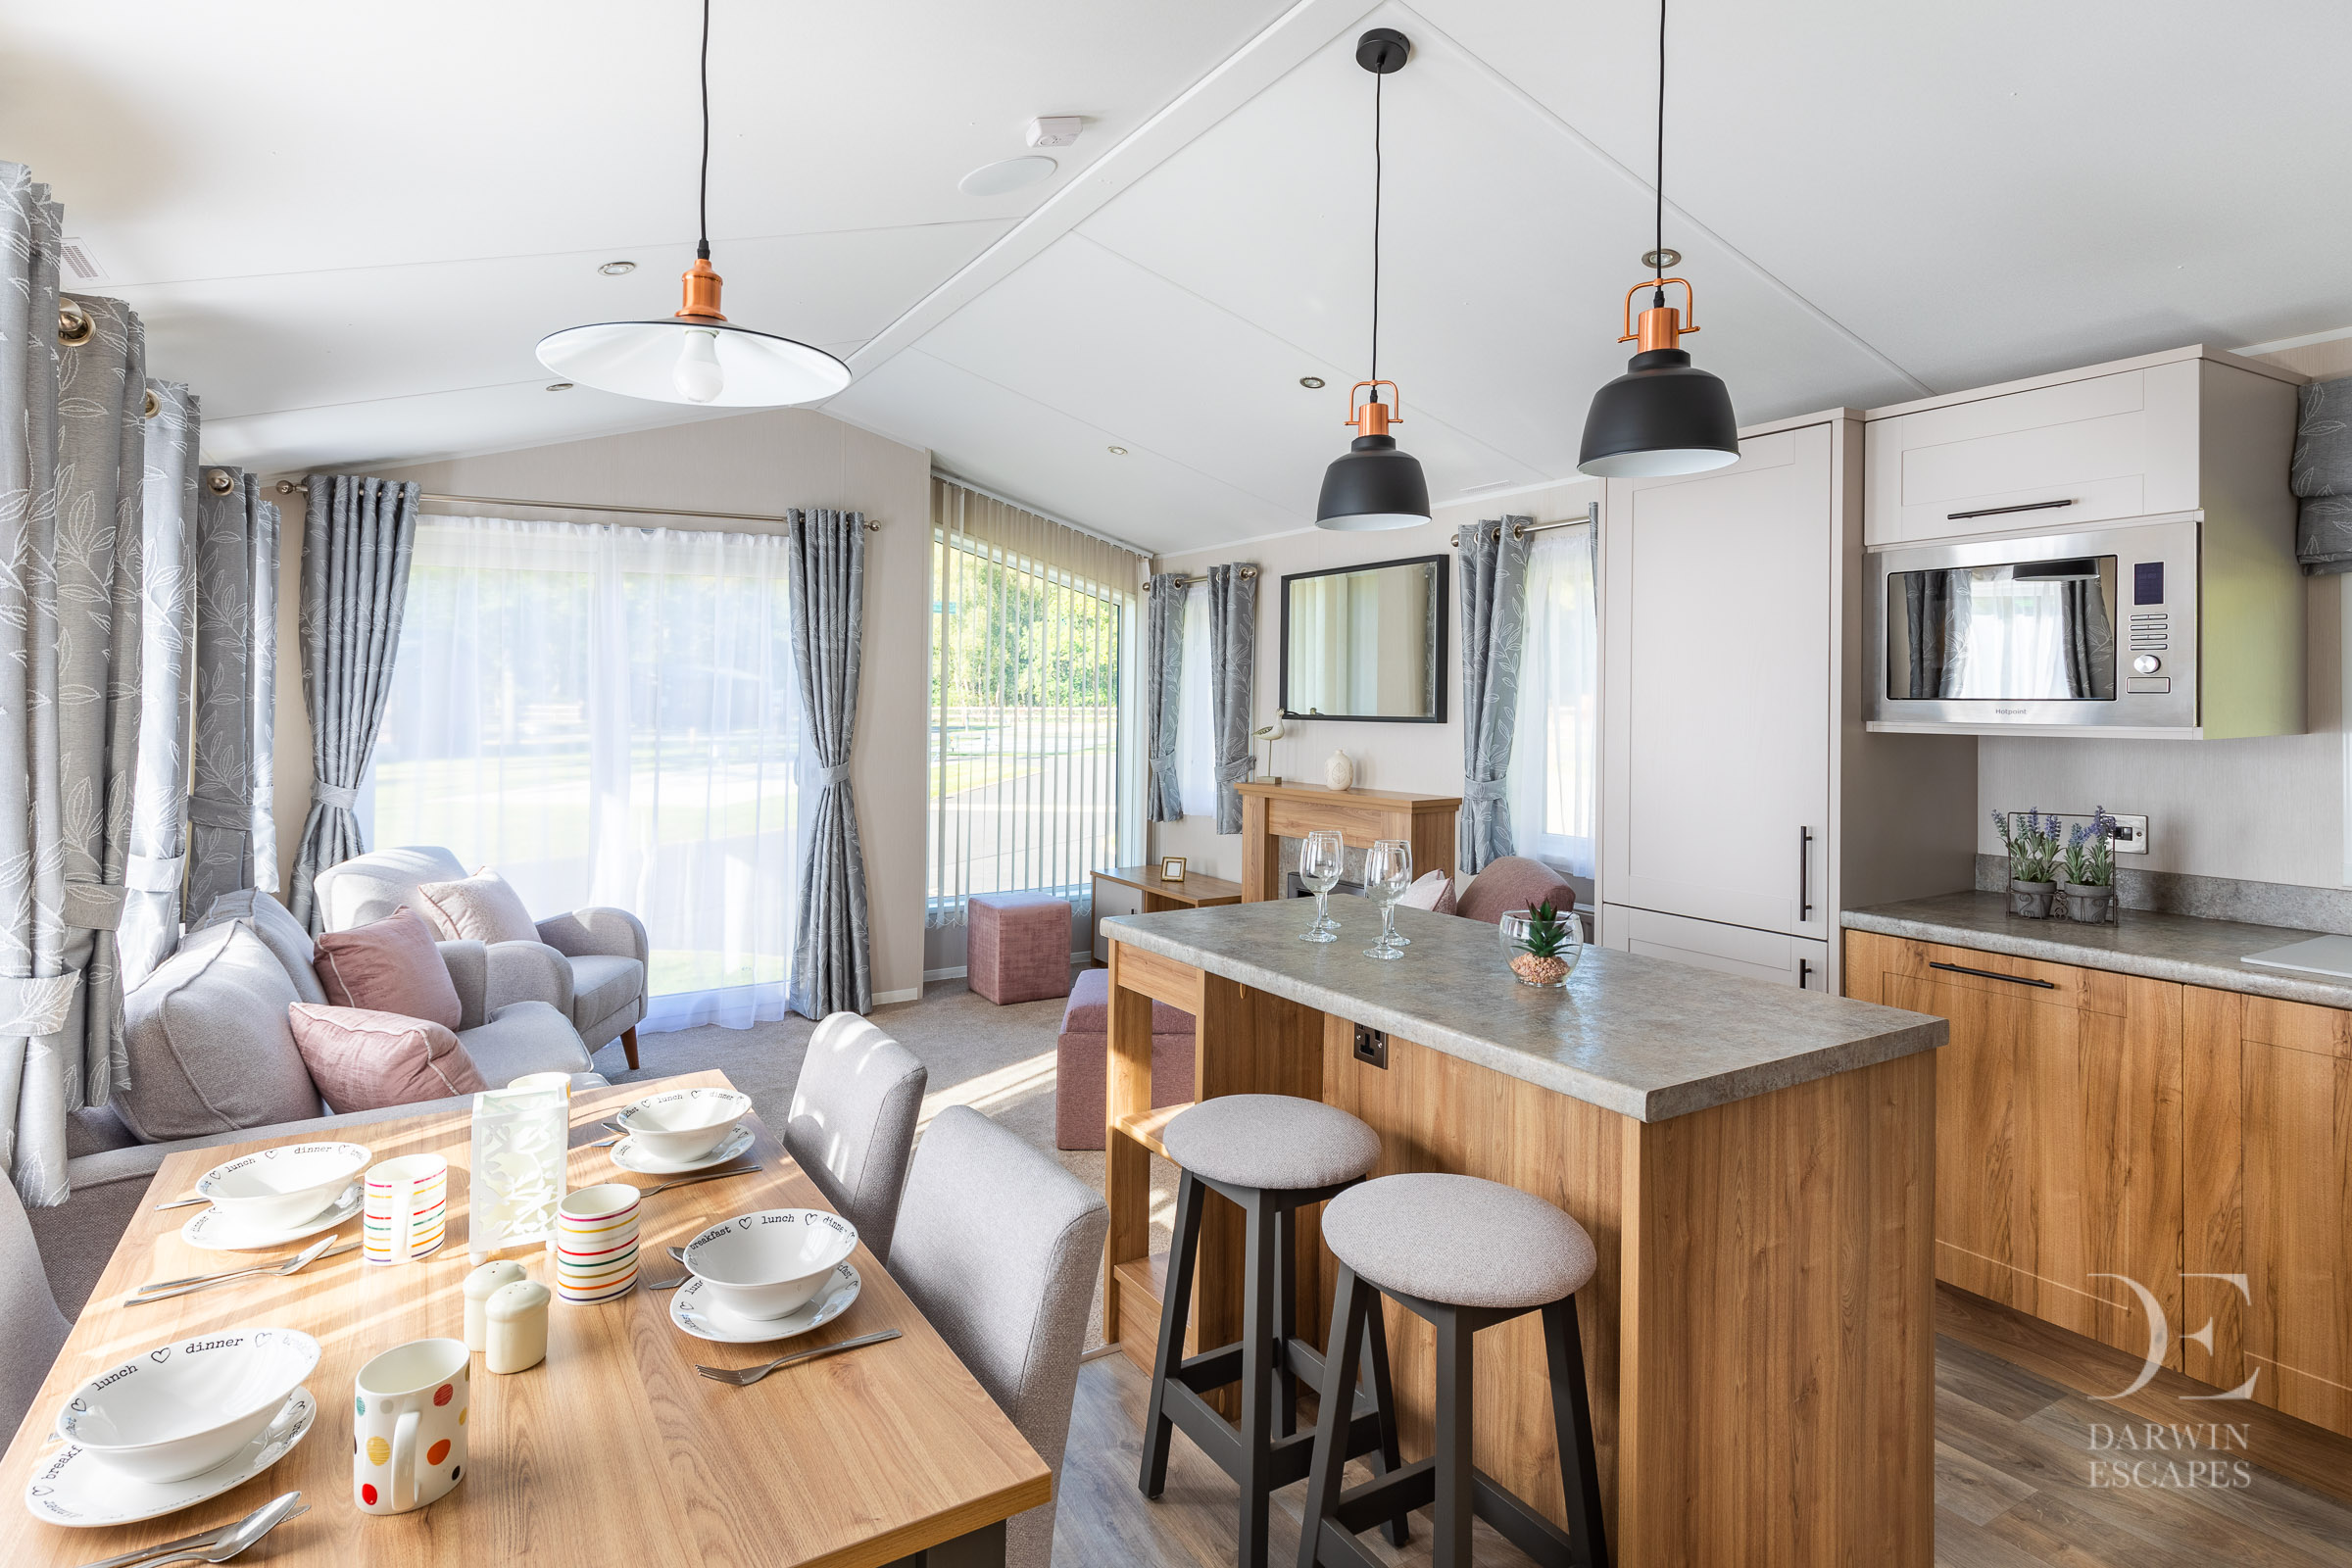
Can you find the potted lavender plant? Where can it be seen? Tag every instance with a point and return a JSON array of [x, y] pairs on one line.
[[2091, 870], [2033, 842]]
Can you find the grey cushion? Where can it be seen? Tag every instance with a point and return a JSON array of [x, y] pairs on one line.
[[278, 930], [1277, 1142], [851, 1125], [999, 1247], [209, 1045], [368, 887], [525, 1037], [603, 985], [1459, 1240], [32, 1328]]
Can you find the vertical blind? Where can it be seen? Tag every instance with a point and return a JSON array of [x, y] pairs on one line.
[[1030, 624]]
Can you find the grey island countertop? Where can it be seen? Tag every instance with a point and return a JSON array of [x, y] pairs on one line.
[[2184, 948], [1642, 1036]]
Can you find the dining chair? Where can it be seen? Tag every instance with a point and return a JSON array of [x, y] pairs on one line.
[[851, 1123], [998, 1249], [32, 1328]]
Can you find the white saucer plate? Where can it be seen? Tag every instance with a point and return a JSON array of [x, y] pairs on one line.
[[75, 1488], [628, 1157], [692, 1309], [216, 1232]]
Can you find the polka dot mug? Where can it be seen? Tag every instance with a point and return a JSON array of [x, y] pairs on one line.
[[407, 1425]]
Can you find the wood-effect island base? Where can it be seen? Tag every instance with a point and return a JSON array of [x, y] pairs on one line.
[[1758, 1338]]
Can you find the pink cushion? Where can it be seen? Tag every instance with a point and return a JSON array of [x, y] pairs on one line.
[[483, 908], [1513, 882], [1090, 1009], [1433, 892], [391, 966], [1082, 1062], [364, 1060], [1019, 948]]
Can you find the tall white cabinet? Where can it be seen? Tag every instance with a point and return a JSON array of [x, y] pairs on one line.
[[1732, 740]]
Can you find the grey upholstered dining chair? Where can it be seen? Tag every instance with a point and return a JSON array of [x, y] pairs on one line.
[[32, 1328], [999, 1246], [852, 1124]]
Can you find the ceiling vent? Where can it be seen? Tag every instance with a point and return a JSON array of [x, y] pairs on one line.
[[80, 262]]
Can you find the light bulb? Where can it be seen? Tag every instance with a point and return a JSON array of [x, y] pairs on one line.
[[698, 376]]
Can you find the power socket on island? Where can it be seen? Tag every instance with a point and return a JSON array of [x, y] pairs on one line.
[[1372, 1045]]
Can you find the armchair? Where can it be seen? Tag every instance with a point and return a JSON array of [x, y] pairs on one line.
[[590, 964]]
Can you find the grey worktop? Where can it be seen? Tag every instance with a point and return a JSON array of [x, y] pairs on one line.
[[1642, 1036], [2184, 947]]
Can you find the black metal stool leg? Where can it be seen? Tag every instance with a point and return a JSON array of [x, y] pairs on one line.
[[1457, 1493], [1257, 1378], [1285, 1319], [1385, 1458], [1572, 1424], [1175, 1310], [1344, 1349]]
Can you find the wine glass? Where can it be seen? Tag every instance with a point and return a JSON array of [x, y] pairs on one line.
[[1321, 861], [1388, 872]]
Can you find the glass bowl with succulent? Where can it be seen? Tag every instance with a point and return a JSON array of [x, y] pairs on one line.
[[1542, 945], [2090, 869], [2033, 842]]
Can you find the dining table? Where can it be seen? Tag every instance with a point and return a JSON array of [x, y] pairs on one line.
[[613, 1451]]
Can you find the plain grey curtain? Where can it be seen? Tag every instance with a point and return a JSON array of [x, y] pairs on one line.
[[1493, 568], [234, 524], [2321, 476], [1232, 669], [101, 480], [168, 637], [1162, 680], [355, 545], [832, 964]]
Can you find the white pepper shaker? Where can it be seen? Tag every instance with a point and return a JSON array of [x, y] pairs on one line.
[[480, 1285], [518, 1316]]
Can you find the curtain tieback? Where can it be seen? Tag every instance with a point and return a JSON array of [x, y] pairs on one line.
[[93, 907], [153, 873], [30, 1005], [1484, 791], [335, 797], [838, 773], [205, 813]]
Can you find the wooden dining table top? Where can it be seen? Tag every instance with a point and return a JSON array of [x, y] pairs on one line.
[[614, 1450]]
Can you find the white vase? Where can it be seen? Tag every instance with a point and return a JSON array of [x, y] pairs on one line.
[[1340, 771]]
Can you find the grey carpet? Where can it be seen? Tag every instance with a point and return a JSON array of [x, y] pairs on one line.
[[999, 1060]]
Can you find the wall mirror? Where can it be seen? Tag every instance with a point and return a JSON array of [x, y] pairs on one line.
[[1366, 642]]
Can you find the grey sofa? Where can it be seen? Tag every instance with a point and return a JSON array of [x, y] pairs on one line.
[[589, 964], [213, 1062]]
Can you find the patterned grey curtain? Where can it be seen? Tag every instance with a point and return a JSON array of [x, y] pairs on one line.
[[1232, 670], [2321, 476], [101, 480], [1163, 673], [262, 700], [168, 635], [1493, 568], [233, 525], [355, 545], [832, 965]]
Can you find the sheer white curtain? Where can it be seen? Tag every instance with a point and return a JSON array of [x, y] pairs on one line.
[[610, 715], [2016, 640], [1555, 751]]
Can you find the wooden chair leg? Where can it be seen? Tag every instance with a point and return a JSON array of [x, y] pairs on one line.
[[1385, 1458], [1572, 1426], [1457, 1493], [1343, 1346], [628, 1046], [1257, 1379], [1175, 1308]]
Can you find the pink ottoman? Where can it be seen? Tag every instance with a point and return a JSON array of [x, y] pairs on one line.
[[1082, 1060], [1020, 946]]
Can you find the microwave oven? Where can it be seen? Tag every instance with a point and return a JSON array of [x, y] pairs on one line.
[[2097, 632]]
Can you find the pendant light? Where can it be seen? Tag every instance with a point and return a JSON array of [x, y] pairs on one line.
[[1373, 485], [696, 356], [1664, 416]]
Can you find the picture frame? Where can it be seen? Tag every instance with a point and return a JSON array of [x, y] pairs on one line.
[[1171, 869]]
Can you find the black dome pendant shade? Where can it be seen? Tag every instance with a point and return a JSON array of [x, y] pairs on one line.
[[1373, 485], [1664, 416]]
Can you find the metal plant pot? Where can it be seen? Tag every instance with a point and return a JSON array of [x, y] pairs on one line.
[[2091, 905], [2031, 901]]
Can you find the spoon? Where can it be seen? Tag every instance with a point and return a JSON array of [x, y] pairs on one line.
[[215, 1546]]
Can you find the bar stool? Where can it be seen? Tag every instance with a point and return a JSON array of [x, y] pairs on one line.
[[1465, 1255], [1271, 1154]]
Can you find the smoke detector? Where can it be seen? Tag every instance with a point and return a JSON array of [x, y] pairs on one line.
[[1055, 130]]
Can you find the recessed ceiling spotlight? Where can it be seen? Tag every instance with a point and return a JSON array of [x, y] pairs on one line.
[[1314, 383], [559, 386], [1118, 451], [1011, 175], [617, 268]]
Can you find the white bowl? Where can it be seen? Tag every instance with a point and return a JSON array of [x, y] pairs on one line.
[[766, 1265], [685, 1123], [281, 1187], [180, 1409]]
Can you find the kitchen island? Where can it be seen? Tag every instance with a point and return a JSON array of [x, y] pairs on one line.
[[1755, 1165]]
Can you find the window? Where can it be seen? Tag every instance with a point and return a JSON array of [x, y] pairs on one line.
[[610, 715], [1029, 752], [1554, 780], [1196, 735]]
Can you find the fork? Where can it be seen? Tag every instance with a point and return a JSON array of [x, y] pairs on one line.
[[292, 1265], [747, 1376], [706, 1176]]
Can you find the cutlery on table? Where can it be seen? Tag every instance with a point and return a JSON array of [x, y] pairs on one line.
[[617, 1131], [688, 1181], [667, 1284], [678, 1252], [235, 1537], [165, 1290], [183, 1202], [750, 1375]]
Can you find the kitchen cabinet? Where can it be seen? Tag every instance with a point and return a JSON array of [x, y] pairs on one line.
[[2059, 1132], [1726, 948]]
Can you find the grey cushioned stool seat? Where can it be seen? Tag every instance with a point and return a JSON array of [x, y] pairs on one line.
[[1459, 1239], [1271, 1141]]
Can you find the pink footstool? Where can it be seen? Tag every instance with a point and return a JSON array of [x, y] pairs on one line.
[[1020, 946], [1082, 1060]]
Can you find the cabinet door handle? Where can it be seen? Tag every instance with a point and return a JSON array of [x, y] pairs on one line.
[[1988, 974], [1995, 511], [1804, 972], [1804, 874]]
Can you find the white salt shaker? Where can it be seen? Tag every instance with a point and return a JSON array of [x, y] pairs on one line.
[[518, 1316], [480, 1286]]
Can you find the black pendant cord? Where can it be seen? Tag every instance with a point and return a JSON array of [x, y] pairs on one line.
[[1657, 257], [1377, 172], [702, 208]]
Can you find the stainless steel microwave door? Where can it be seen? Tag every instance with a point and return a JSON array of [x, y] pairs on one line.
[[2016, 631]]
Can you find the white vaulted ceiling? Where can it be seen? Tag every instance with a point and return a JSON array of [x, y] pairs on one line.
[[346, 227]]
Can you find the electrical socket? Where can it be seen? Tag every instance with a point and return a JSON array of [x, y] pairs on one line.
[[2130, 834]]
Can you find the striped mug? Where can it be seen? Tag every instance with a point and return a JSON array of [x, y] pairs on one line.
[[407, 1207]]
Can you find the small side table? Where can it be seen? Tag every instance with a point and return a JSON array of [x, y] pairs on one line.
[[1138, 889]]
